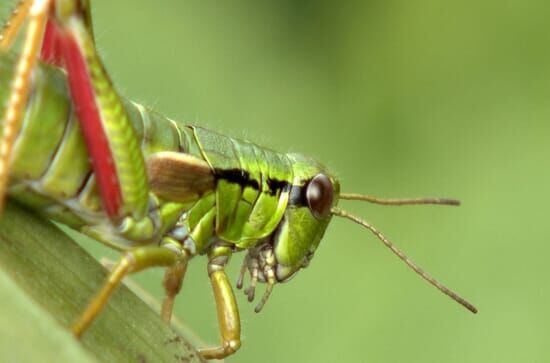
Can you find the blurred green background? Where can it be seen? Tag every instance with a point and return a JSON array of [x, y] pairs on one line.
[[400, 98]]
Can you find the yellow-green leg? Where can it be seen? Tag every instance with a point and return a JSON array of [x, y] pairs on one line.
[[226, 305], [111, 140], [135, 260]]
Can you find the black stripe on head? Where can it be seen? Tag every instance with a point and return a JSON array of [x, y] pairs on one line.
[[298, 195]]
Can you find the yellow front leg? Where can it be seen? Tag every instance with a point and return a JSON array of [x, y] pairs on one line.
[[226, 306]]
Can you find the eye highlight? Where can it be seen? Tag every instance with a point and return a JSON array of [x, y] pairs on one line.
[[319, 195]]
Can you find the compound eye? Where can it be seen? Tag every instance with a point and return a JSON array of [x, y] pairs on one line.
[[319, 195]]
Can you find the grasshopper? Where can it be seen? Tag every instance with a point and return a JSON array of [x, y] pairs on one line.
[[160, 191]]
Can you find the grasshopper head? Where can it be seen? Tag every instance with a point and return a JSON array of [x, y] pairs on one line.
[[314, 194]]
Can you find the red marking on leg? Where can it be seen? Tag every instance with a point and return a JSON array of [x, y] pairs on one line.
[[51, 46], [83, 97]]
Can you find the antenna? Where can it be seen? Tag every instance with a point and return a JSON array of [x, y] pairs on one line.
[[341, 213], [403, 201]]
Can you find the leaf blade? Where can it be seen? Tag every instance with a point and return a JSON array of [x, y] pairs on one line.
[[61, 277]]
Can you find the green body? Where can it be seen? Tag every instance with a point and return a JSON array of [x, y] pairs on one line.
[[51, 174]]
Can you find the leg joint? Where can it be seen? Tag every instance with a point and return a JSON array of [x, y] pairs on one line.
[[219, 256], [231, 346]]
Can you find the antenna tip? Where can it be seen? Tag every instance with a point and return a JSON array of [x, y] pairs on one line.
[[461, 301], [453, 202]]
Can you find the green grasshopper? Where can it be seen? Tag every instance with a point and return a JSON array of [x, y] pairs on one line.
[[158, 190]]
